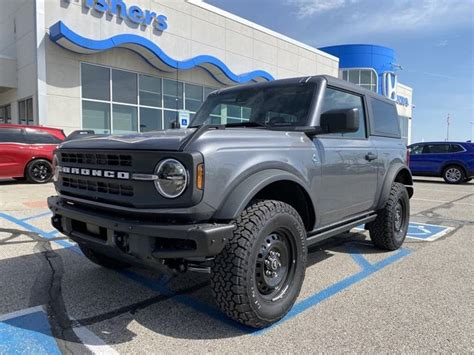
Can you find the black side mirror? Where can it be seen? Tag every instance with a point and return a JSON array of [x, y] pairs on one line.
[[340, 121]]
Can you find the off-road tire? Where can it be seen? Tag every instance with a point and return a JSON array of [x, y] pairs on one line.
[[236, 280], [383, 231], [102, 260], [454, 174], [34, 171]]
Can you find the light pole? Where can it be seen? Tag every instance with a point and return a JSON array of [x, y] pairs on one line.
[[472, 131], [447, 128]]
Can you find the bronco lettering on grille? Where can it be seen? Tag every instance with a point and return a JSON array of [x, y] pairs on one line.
[[111, 174]]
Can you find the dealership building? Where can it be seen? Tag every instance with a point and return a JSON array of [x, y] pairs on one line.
[[139, 65]]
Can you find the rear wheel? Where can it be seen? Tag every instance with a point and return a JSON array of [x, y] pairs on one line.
[[101, 259], [39, 171], [389, 229], [258, 276], [453, 174]]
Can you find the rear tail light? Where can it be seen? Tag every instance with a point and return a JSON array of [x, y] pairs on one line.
[[408, 156]]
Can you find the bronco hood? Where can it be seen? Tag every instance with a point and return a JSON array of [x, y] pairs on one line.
[[159, 140]]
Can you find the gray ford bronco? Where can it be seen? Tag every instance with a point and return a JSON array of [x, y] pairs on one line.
[[263, 172]]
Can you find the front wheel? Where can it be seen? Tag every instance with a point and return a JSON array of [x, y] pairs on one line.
[[390, 228], [39, 171], [258, 276]]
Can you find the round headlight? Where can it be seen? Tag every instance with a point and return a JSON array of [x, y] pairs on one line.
[[172, 178]]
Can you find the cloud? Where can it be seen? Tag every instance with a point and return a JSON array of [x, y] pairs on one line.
[[365, 18], [308, 8], [442, 43]]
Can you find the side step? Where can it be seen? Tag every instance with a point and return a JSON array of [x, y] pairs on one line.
[[319, 236]]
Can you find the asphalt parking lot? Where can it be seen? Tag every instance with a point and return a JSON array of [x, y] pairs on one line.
[[355, 298]]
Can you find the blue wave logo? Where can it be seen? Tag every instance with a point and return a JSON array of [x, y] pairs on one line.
[[152, 53]]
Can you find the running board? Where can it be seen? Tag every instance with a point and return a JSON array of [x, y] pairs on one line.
[[320, 236]]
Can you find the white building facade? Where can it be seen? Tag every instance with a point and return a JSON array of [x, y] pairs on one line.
[[134, 65]]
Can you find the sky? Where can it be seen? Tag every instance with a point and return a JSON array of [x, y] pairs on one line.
[[433, 41]]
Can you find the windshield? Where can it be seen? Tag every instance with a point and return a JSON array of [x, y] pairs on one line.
[[276, 106]]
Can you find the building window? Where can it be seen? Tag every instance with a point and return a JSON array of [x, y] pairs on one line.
[[5, 114], [367, 78], [25, 111], [120, 101]]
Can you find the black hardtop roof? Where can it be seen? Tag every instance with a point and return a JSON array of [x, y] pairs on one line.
[[318, 79]]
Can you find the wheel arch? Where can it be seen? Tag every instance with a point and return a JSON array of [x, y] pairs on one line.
[[453, 163], [269, 184], [397, 173]]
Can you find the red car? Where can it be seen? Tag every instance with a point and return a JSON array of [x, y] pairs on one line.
[[27, 151]]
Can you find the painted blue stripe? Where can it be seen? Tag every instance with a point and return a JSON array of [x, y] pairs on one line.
[[37, 216], [60, 31], [140, 279], [358, 258], [27, 334], [330, 291], [368, 269]]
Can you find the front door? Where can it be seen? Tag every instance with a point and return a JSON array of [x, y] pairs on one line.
[[348, 164]]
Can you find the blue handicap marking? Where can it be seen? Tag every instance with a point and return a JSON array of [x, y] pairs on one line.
[[422, 231], [425, 231], [27, 332]]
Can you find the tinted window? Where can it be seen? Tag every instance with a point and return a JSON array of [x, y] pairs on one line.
[[436, 148], [124, 86], [339, 100], [281, 106], [40, 137], [95, 82], [11, 135], [385, 120], [455, 148], [416, 149]]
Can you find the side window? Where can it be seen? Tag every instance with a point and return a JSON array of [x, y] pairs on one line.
[[338, 100], [455, 148], [436, 148], [416, 149], [385, 119], [40, 137], [11, 135]]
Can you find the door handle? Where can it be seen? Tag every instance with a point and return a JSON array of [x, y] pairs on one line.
[[371, 156]]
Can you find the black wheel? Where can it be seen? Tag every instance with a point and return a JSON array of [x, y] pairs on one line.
[[453, 174], [101, 259], [258, 276], [39, 171], [390, 228]]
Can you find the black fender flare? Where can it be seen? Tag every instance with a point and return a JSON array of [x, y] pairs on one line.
[[239, 197], [390, 177]]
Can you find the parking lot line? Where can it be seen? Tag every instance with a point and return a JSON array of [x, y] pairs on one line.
[[144, 281], [37, 216], [27, 331], [311, 301], [367, 270]]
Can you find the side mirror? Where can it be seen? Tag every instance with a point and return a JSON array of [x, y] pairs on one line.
[[340, 121]]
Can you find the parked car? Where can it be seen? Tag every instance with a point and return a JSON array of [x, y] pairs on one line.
[[27, 151], [453, 161], [242, 198]]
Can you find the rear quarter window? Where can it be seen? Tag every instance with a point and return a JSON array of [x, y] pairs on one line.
[[11, 135], [384, 120], [41, 137]]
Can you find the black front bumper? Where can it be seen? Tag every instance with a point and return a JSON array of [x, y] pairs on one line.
[[135, 240]]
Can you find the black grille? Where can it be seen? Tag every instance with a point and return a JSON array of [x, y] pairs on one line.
[[98, 186], [97, 159]]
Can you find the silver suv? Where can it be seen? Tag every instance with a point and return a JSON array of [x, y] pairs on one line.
[[263, 172]]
